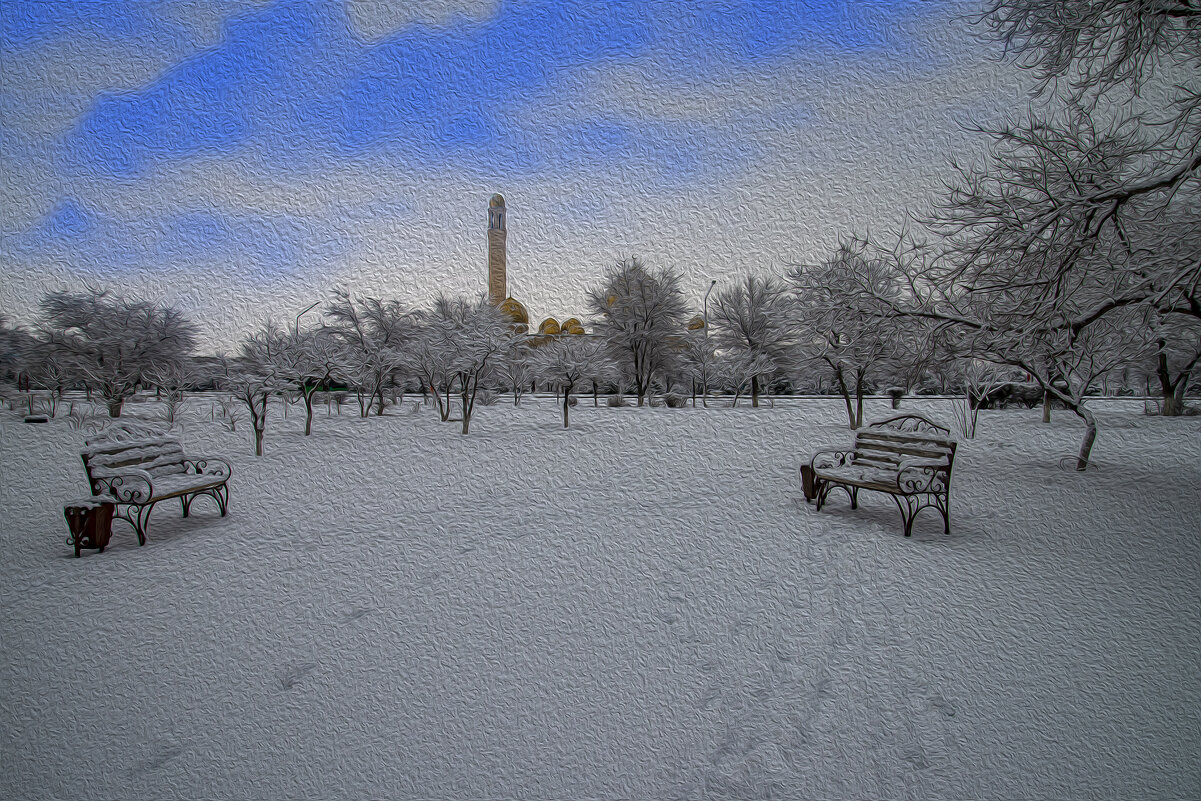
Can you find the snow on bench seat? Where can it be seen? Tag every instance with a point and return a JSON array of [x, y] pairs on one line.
[[137, 469]]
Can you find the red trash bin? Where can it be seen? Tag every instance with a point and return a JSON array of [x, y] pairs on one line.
[[90, 521]]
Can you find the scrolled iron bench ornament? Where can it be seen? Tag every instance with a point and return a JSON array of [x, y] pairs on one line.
[[907, 457], [137, 468]]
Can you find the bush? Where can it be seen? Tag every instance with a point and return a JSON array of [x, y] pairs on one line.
[[616, 401], [675, 401]]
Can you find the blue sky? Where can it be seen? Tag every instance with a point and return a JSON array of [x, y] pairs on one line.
[[332, 142]]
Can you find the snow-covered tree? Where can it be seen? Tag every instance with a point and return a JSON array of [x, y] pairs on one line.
[[14, 343], [751, 319], [641, 314], [1176, 340], [514, 371], [569, 362], [373, 333], [171, 381], [1111, 186], [839, 324], [460, 345], [740, 369], [109, 342], [697, 363], [306, 360], [252, 377]]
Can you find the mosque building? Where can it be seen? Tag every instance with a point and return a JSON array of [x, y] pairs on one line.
[[498, 294]]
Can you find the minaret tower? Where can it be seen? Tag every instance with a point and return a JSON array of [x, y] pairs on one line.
[[497, 233]]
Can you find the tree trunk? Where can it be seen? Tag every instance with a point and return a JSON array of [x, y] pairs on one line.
[[754, 392], [466, 409], [1090, 435], [594, 388], [308, 414], [566, 398], [859, 400], [1172, 404], [1046, 407], [260, 424], [846, 398]]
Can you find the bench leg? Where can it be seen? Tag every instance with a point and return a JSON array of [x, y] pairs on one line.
[[908, 507], [143, 522], [185, 501]]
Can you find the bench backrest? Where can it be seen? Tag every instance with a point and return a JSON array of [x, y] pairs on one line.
[[885, 444], [159, 456]]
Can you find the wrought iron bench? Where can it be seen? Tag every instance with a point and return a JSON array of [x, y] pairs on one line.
[[907, 456], [138, 467]]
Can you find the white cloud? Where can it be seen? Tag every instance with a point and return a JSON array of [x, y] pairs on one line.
[[379, 19]]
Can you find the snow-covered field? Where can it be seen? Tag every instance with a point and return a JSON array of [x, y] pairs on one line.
[[641, 606]]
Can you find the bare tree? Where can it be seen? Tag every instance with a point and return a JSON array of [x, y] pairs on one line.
[[172, 380], [740, 368], [305, 361], [751, 318], [1096, 45], [515, 371], [698, 363], [1118, 176], [252, 378], [110, 341], [641, 315], [841, 323], [461, 345], [570, 361], [373, 332], [1177, 352]]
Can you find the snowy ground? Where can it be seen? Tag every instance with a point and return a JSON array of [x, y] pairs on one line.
[[641, 606]]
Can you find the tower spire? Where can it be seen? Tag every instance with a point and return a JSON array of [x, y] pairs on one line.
[[497, 266]]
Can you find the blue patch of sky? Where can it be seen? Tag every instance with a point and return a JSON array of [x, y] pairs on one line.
[[241, 243], [28, 23], [292, 86], [295, 83]]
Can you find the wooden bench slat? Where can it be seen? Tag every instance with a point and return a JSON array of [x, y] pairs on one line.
[[907, 436], [896, 446]]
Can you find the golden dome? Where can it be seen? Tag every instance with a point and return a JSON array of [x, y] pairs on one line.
[[515, 311], [497, 200], [572, 326], [696, 323], [549, 326]]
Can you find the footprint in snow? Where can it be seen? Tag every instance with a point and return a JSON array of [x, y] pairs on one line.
[[940, 704], [156, 761], [292, 676]]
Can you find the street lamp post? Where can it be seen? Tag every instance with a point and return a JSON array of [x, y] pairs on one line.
[[705, 368], [302, 314]]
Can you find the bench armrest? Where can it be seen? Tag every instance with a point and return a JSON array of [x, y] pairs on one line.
[[124, 484], [924, 475], [208, 466], [830, 458]]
